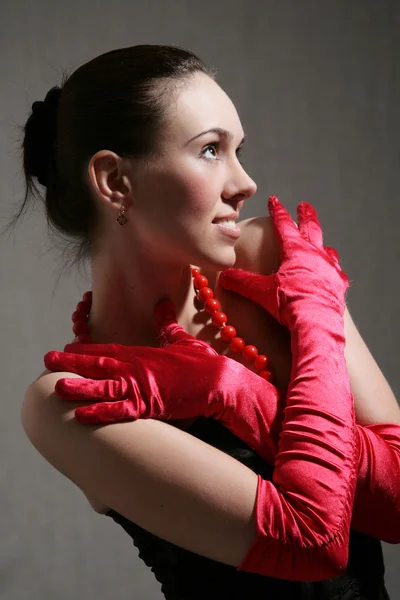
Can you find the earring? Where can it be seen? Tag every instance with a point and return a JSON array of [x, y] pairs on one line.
[[121, 217]]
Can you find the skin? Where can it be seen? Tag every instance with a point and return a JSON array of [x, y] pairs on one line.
[[170, 203]]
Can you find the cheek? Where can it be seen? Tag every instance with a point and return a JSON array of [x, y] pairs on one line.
[[184, 194], [194, 192]]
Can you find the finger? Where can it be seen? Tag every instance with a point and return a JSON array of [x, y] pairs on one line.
[[170, 332], [253, 286], [95, 367], [199, 346], [105, 412], [167, 327], [85, 390], [173, 333], [109, 350], [309, 225], [332, 254], [282, 221]]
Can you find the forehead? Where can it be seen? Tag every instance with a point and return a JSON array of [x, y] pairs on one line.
[[200, 105]]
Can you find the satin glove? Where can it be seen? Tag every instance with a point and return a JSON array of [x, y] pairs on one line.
[[376, 509], [184, 379], [303, 516], [309, 276]]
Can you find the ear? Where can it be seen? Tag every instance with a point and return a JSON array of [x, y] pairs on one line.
[[106, 175]]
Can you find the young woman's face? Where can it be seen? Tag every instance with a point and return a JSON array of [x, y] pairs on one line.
[[195, 178]]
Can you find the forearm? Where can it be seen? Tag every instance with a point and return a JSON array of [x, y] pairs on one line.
[[374, 401], [376, 509], [315, 468], [165, 480], [319, 409]]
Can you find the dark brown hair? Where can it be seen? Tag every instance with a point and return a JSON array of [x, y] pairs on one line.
[[118, 101]]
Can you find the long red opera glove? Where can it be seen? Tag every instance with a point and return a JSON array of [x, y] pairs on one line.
[[303, 516], [376, 509], [318, 440]]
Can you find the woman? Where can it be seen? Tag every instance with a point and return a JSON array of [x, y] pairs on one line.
[[140, 144]]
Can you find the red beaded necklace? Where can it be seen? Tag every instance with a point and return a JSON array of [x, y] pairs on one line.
[[211, 305]]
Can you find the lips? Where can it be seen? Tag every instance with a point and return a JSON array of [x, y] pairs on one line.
[[232, 232], [232, 217]]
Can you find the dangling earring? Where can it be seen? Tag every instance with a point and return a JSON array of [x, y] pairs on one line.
[[121, 217]]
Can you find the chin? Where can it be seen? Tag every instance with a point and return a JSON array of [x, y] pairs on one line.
[[218, 262]]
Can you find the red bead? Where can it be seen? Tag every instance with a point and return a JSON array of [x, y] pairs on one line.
[[261, 362], [195, 271], [250, 352], [83, 307], [228, 333], [266, 374], [205, 293], [200, 281], [87, 296], [237, 344], [80, 327], [219, 319], [77, 316], [212, 305]]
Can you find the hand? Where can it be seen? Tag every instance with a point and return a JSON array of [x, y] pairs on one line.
[[185, 378], [309, 272]]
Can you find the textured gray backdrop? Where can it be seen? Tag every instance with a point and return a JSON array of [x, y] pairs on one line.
[[316, 84]]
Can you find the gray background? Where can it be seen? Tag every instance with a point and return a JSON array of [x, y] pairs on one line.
[[316, 84]]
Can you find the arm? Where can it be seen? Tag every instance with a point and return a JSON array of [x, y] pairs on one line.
[[257, 251], [165, 480], [376, 508], [374, 400]]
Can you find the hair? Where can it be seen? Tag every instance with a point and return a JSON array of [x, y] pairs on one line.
[[119, 101]]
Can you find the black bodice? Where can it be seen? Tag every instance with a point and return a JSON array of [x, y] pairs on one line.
[[185, 575]]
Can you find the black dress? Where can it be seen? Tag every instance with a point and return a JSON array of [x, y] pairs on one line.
[[185, 575]]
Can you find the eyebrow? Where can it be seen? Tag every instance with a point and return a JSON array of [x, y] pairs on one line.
[[222, 132]]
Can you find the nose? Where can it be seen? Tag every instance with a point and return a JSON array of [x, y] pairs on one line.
[[252, 187], [240, 188]]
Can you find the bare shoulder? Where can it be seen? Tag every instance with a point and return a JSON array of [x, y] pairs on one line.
[[257, 248], [45, 417]]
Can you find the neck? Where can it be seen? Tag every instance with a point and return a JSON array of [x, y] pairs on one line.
[[125, 296]]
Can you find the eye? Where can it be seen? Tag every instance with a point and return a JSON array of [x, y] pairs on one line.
[[216, 146], [239, 153]]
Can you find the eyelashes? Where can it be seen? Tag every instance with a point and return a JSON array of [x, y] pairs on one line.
[[216, 145]]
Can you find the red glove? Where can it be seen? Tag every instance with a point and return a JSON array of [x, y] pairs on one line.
[[184, 379], [376, 509], [303, 517]]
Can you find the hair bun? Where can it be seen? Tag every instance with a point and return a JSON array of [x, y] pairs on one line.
[[42, 131]]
